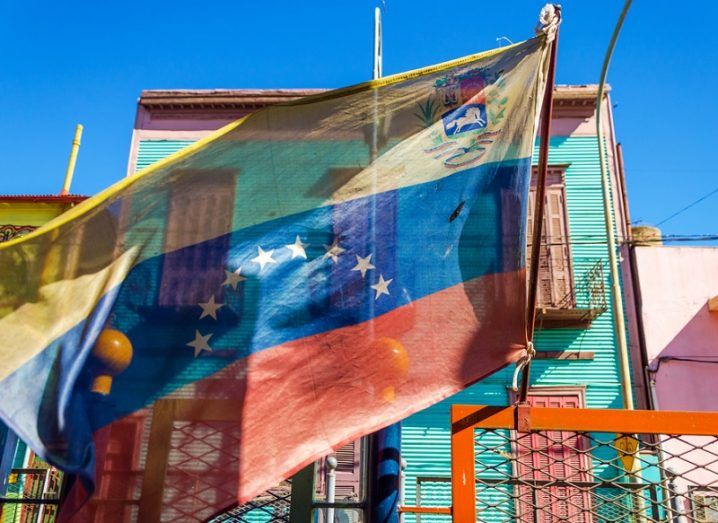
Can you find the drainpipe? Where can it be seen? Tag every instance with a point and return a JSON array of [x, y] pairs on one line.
[[402, 487], [70, 171], [616, 297]]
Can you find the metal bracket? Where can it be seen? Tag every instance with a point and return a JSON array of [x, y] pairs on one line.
[[523, 417]]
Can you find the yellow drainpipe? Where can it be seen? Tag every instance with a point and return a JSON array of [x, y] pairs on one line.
[[73, 159]]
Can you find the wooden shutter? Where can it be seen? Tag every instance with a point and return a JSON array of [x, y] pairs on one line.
[[201, 209], [553, 456], [555, 280], [348, 485]]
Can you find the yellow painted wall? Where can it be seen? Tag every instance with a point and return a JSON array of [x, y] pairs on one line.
[[30, 213]]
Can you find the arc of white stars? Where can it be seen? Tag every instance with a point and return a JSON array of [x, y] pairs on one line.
[[210, 308], [333, 251], [263, 258], [382, 287], [233, 278], [200, 343], [297, 248], [363, 264]]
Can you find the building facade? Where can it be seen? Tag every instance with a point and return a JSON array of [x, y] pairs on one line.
[[673, 315], [22, 474], [577, 364]]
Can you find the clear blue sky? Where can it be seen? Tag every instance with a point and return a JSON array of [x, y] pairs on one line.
[[67, 62]]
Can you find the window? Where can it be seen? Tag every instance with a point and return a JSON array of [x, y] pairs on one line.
[[555, 279], [348, 473], [705, 504], [199, 209]]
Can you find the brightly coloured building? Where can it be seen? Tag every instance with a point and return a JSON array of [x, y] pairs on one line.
[[577, 360], [673, 315], [26, 480]]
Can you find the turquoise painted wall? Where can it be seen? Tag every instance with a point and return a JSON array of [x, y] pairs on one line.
[[425, 435]]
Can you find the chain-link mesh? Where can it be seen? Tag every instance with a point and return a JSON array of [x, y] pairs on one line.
[[554, 476], [271, 506], [197, 478]]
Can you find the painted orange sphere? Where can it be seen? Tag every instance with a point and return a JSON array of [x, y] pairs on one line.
[[393, 353], [112, 352]]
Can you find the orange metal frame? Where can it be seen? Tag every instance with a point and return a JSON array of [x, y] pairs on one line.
[[465, 419]]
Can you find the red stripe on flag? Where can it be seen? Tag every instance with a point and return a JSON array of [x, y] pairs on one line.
[[284, 407]]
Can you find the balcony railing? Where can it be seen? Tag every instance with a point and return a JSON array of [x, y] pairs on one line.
[[31, 495], [585, 300]]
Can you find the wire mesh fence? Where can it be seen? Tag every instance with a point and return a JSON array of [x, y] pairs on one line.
[[270, 506], [579, 477], [577, 466]]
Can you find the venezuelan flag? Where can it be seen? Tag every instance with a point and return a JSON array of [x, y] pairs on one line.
[[304, 276]]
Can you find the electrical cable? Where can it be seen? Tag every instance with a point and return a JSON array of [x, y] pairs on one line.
[[699, 200]]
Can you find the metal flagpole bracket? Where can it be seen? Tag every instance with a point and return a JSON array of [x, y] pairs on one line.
[[523, 417], [549, 20]]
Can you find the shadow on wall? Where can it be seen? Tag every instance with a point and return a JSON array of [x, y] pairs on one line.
[[686, 370]]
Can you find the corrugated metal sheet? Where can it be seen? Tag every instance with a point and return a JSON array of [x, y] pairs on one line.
[[151, 151], [425, 436]]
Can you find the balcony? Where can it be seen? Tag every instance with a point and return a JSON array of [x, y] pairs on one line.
[[583, 301]]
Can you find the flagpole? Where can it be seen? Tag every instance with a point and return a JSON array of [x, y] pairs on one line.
[[386, 444], [545, 135]]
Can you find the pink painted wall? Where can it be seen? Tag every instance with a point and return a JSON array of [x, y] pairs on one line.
[[675, 285]]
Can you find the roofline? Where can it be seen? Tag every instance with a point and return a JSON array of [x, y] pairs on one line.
[[173, 99], [43, 198], [220, 98]]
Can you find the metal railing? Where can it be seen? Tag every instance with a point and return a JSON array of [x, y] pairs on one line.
[[550, 465], [31, 496], [271, 506], [589, 291]]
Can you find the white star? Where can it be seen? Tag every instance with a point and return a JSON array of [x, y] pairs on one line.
[[233, 278], [297, 248], [363, 264], [210, 308], [263, 258], [333, 251], [382, 287], [200, 343]]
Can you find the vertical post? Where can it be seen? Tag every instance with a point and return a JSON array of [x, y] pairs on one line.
[[386, 468], [387, 462], [70, 171], [675, 499], [331, 486], [463, 472], [616, 297], [300, 508], [377, 44], [545, 135], [402, 487]]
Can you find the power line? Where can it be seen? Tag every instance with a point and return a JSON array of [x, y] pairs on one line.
[[699, 200]]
